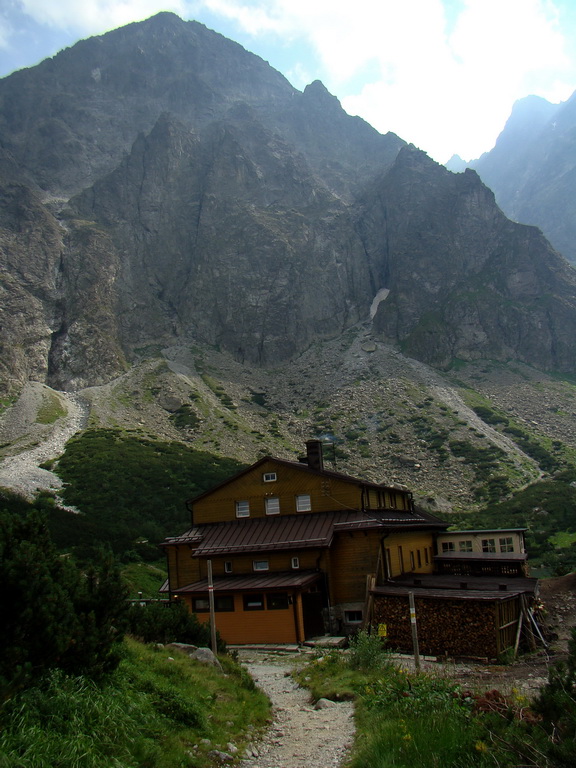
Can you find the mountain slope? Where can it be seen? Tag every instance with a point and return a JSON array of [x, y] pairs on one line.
[[165, 187], [532, 169]]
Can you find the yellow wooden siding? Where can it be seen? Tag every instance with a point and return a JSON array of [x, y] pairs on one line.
[[277, 561], [182, 567], [241, 627], [400, 547], [327, 494], [354, 555]]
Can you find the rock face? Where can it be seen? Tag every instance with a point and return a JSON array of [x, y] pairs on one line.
[[161, 185], [532, 169]]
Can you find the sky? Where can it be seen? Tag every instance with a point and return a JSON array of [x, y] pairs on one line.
[[442, 74]]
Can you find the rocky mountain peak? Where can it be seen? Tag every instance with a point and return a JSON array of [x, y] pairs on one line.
[[182, 191]]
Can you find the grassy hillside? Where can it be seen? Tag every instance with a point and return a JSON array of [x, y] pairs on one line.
[[130, 492], [159, 709]]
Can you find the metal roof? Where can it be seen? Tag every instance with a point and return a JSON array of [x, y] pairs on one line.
[[453, 583], [252, 582], [483, 557], [488, 530], [290, 532]]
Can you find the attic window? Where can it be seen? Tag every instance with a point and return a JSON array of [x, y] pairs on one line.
[[295, 563], [260, 565], [242, 509], [303, 503], [269, 477]]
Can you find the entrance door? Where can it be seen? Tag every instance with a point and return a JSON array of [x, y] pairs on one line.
[[312, 605]]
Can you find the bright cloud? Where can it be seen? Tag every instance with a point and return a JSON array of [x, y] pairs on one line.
[[94, 16]]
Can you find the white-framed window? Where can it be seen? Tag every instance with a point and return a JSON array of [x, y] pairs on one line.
[[260, 565], [242, 509], [303, 502], [465, 546], [448, 546], [228, 566], [269, 477], [488, 545], [352, 617], [506, 544], [272, 505], [295, 563]]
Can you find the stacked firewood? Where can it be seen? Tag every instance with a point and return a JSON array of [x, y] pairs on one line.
[[455, 628]]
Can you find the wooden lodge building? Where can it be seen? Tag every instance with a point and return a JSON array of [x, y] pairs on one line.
[[298, 550]]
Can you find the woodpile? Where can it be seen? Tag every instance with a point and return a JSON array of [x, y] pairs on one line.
[[455, 628]]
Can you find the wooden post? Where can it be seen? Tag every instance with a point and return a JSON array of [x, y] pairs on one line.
[[518, 631], [414, 631], [212, 610]]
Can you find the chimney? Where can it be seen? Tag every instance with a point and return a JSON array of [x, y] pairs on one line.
[[314, 456]]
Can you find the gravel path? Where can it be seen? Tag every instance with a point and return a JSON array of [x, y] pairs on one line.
[[34, 443], [300, 735]]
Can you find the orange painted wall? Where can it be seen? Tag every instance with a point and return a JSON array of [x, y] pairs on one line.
[[240, 627]]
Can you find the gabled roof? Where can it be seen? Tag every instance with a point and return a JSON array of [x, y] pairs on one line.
[[302, 467], [291, 532]]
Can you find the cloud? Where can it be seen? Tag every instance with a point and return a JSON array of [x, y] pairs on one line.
[[94, 16], [443, 75]]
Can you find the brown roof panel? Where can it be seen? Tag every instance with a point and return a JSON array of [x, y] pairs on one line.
[[417, 581], [483, 556], [264, 534], [295, 580], [284, 532]]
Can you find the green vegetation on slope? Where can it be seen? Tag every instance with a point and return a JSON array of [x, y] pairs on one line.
[[546, 508], [53, 614], [159, 709], [406, 719], [131, 492]]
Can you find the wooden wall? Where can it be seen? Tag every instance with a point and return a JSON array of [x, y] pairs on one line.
[[240, 627], [327, 494]]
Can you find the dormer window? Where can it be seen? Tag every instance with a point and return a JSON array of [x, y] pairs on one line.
[[269, 477]]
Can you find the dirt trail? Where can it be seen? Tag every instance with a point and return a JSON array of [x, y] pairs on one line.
[[31, 443], [300, 735]]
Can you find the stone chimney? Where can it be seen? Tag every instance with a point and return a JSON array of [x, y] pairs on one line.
[[314, 457]]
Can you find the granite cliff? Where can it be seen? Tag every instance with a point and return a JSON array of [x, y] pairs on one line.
[[162, 186], [532, 169]]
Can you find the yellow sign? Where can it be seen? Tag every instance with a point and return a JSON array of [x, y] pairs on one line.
[[382, 630]]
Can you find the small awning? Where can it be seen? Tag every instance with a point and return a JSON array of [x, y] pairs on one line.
[[256, 582]]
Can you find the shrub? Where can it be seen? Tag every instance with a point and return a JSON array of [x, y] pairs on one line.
[[366, 652], [168, 623], [557, 705], [53, 615]]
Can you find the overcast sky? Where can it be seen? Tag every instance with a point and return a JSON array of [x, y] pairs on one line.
[[442, 74]]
